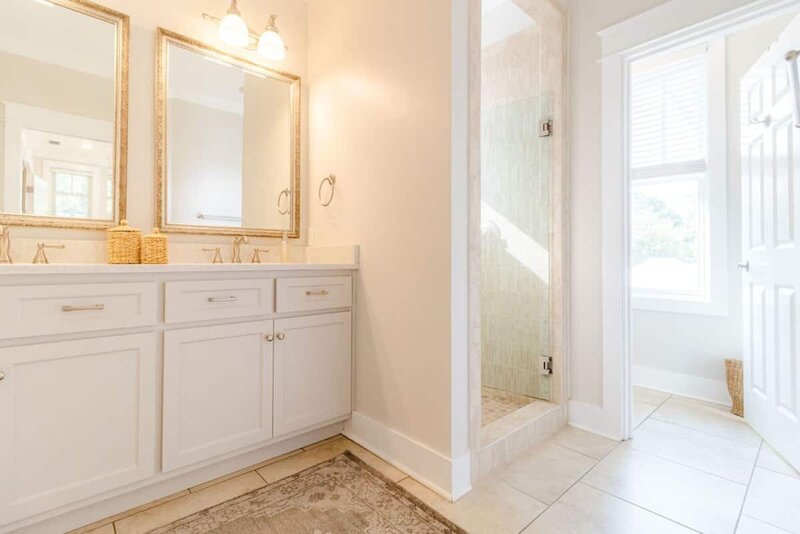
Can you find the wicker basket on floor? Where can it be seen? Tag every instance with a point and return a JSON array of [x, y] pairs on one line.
[[734, 377]]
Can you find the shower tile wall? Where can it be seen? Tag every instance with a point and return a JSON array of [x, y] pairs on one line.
[[515, 217]]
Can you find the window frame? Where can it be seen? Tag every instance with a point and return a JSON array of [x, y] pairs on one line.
[[712, 192]]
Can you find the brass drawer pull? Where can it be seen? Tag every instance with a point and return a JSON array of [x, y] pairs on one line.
[[321, 292], [281, 336], [91, 307], [222, 299]]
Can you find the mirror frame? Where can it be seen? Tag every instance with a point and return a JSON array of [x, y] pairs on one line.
[[121, 23], [164, 39]]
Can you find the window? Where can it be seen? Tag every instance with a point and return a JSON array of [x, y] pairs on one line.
[[677, 173], [71, 197]]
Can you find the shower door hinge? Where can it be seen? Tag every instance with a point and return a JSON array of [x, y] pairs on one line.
[[546, 128], [545, 365]]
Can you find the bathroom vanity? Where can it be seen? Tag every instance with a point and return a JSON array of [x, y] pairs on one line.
[[116, 379]]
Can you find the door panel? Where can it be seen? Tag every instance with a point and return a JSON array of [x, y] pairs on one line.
[[78, 420], [217, 391], [312, 370], [771, 155]]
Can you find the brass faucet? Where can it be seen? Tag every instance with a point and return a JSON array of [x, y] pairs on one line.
[[5, 245], [238, 241], [41, 256], [257, 255]]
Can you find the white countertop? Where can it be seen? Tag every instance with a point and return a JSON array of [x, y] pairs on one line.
[[101, 268]]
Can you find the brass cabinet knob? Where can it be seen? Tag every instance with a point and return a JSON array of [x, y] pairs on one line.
[[269, 338], [2, 376], [281, 336]]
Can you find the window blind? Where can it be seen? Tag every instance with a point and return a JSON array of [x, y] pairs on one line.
[[669, 123]]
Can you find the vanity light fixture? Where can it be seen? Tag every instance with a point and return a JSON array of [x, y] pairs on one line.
[[233, 31], [270, 44]]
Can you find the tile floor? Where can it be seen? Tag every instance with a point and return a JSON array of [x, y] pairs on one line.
[[691, 467], [496, 404]]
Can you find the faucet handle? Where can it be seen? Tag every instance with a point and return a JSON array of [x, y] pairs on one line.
[[41, 255], [257, 255], [217, 254]]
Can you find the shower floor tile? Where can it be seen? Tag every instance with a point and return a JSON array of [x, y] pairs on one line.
[[496, 403]]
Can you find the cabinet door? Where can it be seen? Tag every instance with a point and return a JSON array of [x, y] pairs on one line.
[[312, 370], [217, 391], [78, 419]]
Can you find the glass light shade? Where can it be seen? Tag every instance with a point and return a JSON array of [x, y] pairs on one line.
[[270, 44], [233, 30], [271, 47]]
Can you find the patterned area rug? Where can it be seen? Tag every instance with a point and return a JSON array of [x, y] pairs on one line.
[[342, 495]]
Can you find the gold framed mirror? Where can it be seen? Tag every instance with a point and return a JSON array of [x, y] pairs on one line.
[[227, 143], [64, 111]]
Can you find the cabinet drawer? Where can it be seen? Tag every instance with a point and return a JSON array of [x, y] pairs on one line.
[[56, 309], [307, 294], [206, 300]]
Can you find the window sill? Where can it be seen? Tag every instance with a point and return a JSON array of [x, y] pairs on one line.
[[680, 305]]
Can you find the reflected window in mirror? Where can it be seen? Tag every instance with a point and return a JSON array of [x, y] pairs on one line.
[[229, 149], [63, 92]]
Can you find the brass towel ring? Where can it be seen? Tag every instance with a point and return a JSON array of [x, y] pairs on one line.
[[330, 179], [288, 197]]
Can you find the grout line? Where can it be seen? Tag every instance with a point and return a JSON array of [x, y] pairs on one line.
[[642, 507], [776, 527], [747, 488]]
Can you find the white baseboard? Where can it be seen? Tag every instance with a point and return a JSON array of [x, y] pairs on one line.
[[593, 418], [695, 387], [448, 477]]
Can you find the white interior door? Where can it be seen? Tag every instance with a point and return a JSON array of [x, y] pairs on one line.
[[771, 198]]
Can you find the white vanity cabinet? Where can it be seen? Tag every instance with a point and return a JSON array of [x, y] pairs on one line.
[[312, 370], [217, 391], [131, 382], [78, 418]]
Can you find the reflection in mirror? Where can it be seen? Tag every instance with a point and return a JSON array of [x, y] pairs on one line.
[[61, 106], [230, 158]]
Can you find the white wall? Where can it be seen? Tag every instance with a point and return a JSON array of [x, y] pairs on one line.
[[586, 18], [205, 164], [698, 353], [380, 112], [185, 17]]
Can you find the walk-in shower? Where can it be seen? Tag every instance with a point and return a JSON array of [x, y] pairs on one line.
[[518, 67]]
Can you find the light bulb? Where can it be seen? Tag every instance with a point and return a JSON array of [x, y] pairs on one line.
[[270, 44], [232, 28]]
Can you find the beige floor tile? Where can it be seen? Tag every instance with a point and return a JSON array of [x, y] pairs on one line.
[[245, 470], [641, 411], [194, 502], [769, 459], [546, 471], [108, 528], [586, 510], [130, 512], [706, 417], [585, 442], [748, 525], [687, 496], [650, 396], [325, 441], [492, 507], [719, 456], [775, 499], [384, 468]]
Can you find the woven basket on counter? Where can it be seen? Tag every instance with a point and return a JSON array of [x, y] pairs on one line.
[[124, 244], [734, 378], [154, 248]]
